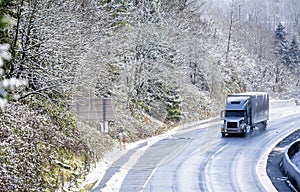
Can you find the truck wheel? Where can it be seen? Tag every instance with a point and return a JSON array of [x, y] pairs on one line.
[[223, 134], [243, 134]]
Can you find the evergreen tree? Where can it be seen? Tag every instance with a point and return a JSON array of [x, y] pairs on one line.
[[282, 59], [173, 103], [294, 54], [281, 47]]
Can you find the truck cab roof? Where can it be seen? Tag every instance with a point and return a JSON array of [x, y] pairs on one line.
[[235, 102]]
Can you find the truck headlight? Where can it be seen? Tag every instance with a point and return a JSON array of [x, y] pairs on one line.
[[243, 126]]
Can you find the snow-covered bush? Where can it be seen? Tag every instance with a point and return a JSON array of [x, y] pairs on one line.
[[7, 84], [4, 55]]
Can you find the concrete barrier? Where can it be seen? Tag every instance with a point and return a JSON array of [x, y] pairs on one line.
[[289, 168]]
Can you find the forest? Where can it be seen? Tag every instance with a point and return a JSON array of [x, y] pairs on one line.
[[164, 63]]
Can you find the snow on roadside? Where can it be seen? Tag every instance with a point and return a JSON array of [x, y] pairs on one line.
[[283, 108]]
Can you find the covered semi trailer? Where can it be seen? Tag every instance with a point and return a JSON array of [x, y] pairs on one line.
[[244, 111]]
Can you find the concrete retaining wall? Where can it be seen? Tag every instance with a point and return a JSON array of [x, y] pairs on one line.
[[289, 168]]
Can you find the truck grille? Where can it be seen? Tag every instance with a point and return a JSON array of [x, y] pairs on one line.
[[231, 124]]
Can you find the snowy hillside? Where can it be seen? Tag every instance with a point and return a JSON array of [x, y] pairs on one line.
[[164, 63]]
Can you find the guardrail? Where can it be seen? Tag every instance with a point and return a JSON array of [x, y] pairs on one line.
[[289, 168]]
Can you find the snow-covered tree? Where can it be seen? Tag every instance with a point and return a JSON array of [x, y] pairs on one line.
[[283, 77], [294, 64], [281, 44], [294, 55]]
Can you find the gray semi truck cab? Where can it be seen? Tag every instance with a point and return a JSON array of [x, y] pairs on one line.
[[244, 111]]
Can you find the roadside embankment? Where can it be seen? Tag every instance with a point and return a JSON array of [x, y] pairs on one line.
[[275, 165]]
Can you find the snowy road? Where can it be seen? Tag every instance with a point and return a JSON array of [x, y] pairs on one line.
[[196, 158]]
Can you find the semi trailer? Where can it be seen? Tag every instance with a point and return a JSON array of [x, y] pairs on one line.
[[245, 111]]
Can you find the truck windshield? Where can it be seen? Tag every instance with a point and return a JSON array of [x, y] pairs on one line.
[[234, 114]]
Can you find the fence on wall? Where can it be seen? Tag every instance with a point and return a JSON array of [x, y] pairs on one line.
[[94, 109]]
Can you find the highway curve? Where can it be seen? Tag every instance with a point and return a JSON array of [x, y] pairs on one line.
[[196, 158]]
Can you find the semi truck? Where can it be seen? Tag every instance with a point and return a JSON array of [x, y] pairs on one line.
[[243, 112]]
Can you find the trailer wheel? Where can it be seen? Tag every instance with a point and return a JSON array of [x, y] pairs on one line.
[[264, 125]]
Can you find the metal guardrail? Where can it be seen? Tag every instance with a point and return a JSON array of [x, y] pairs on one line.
[[289, 168]]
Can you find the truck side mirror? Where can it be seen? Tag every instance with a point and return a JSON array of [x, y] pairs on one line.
[[222, 114]]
